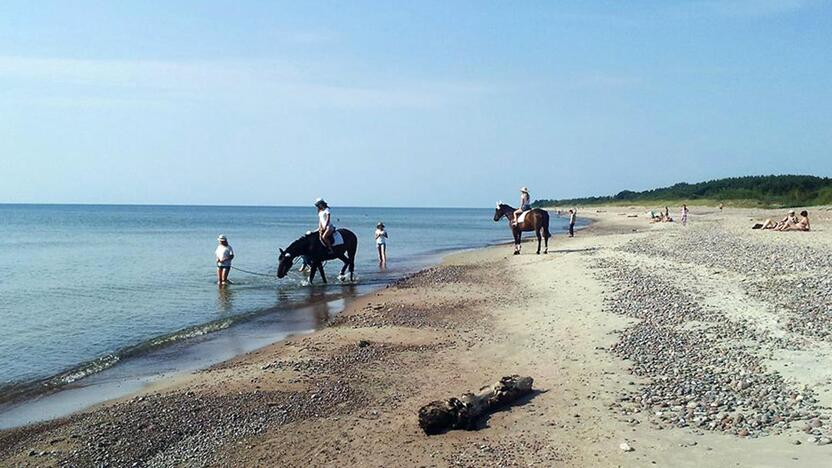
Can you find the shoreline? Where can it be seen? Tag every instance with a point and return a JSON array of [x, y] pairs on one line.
[[89, 374], [55, 397], [347, 394]]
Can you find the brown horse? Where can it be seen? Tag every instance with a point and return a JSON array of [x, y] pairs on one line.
[[536, 220]]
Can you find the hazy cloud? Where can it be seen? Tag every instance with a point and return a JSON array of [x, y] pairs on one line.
[[239, 81], [739, 8]]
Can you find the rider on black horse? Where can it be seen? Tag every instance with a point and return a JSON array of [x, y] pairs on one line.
[[325, 226], [317, 247]]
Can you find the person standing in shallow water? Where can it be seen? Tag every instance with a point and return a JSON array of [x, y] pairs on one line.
[[381, 244], [572, 216], [224, 254]]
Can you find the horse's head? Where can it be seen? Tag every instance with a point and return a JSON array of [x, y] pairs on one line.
[[501, 210], [296, 249], [284, 263]]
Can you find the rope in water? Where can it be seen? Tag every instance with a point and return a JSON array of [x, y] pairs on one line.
[[270, 275], [252, 272]]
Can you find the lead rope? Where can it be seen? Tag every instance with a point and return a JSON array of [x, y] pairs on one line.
[[252, 272]]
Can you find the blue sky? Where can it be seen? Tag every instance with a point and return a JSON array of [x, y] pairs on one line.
[[405, 103]]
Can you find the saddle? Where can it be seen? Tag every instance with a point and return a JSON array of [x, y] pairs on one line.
[[336, 239], [522, 217]]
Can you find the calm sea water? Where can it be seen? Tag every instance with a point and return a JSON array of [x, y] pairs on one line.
[[84, 287]]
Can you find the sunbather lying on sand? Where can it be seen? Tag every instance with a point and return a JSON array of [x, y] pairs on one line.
[[789, 223], [660, 218], [801, 225]]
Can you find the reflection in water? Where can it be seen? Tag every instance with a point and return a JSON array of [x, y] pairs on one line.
[[323, 304], [320, 308], [282, 296], [225, 296]]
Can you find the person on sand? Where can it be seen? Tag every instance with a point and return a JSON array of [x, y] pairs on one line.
[[802, 224], [381, 244], [224, 254], [787, 222], [684, 216], [784, 223], [325, 227], [525, 204], [572, 214]]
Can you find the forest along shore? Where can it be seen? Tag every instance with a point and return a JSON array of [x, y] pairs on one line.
[[648, 343]]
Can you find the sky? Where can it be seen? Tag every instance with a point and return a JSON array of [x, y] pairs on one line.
[[420, 103]]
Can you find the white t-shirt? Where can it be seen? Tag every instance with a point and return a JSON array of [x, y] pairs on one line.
[[224, 253], [322, 217], [381, 237]]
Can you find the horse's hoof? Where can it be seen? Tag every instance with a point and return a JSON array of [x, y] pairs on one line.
[[516, 253], [538, 252]]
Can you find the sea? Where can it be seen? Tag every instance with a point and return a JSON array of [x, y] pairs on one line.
[[97, 301]]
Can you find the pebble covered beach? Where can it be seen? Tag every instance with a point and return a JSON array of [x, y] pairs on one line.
[[649, 344]]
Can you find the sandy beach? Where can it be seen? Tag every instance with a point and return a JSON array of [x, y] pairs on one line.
[[704, 345]]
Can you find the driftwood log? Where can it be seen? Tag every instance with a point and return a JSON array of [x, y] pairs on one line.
[[463, 412]]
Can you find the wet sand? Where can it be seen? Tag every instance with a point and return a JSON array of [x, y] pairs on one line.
[[700, 345]]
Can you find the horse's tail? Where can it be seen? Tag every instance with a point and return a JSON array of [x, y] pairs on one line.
[[546, 224]]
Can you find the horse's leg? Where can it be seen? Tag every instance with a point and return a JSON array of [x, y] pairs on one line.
[[321, 269], [352, 262], [518, 238], [312, 272], [343, 258], [537, 231]]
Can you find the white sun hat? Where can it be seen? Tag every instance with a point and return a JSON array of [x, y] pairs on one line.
[[222, 237], [524, 189]]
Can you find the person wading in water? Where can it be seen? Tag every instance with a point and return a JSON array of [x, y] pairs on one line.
[[224, 254], [325, 227], [381, 244]]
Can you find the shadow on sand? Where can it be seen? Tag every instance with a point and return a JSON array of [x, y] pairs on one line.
[[482, 422], [588, 249]]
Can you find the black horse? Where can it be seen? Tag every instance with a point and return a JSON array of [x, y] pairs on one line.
[[310, 246], [537, 220]]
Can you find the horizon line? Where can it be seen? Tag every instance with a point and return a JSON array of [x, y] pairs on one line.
[[208, 205]]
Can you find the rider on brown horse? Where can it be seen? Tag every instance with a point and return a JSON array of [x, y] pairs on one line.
[[525, 205], [536, 220]]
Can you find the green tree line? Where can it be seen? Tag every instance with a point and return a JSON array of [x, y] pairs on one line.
[[772, 191]]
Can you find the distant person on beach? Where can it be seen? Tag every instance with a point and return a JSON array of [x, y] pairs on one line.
[[224, 255], [572, 215], [721, 206], [325, 227], [525, 204], [684, 216], [381, 244]]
